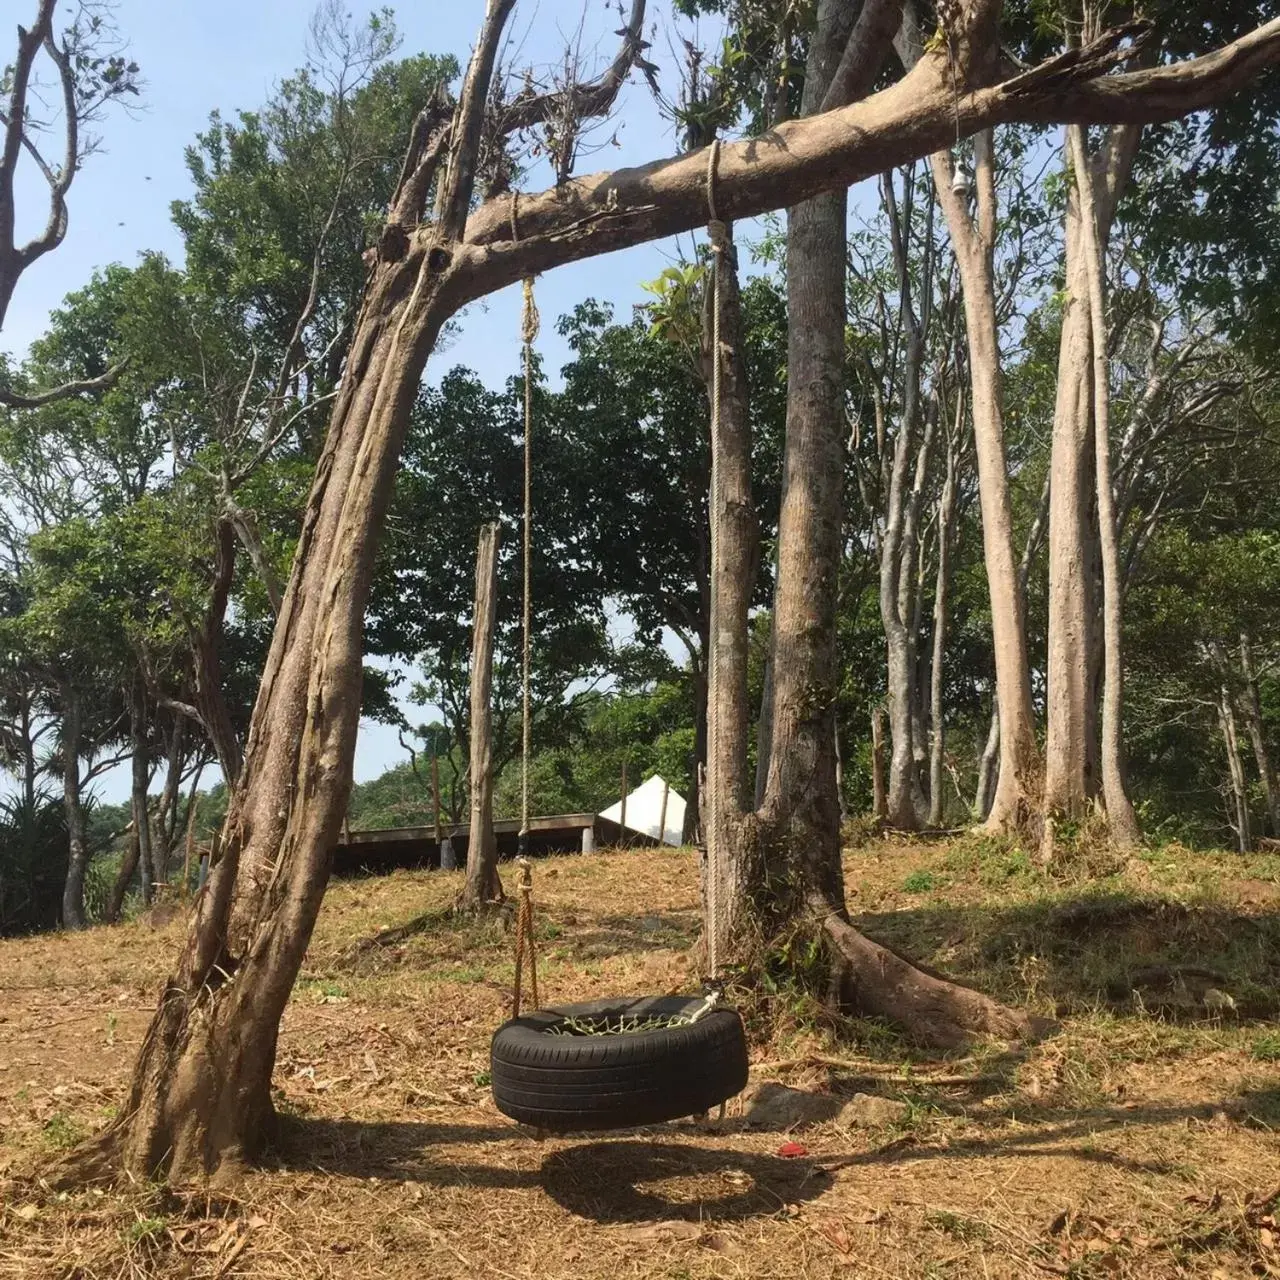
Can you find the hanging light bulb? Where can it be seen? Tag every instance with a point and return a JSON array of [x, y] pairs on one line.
[[961, 183]]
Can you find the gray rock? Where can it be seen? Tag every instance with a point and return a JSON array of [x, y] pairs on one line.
[[774, 1106], [869, 1111]]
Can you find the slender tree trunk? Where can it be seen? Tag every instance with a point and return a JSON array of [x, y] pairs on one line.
[[73, 916], [1242, 822], [207, 665], [141, 771], [984, 793], [764, 727], [482, 885], [1014, 803], [879, 797], [942, 583], [1252, 705], [1121, 819]]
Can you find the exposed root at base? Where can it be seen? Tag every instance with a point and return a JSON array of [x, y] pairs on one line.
[[930, 1009]]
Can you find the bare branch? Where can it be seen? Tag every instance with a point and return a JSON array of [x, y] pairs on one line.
[[584, 101]]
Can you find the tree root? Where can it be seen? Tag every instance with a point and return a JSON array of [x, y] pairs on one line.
[[931, 1010]]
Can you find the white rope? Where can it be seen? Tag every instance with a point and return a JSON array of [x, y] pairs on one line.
[[716, 233], [528, 332]]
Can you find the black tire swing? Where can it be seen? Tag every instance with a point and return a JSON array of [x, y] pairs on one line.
[[634, 1060]]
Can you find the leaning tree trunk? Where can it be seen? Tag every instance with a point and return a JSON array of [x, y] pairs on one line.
[[200, 1098], [482, 885], [1121, 819], [1015, 801]]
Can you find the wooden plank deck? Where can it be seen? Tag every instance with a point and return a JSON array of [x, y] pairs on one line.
[[386, 849]]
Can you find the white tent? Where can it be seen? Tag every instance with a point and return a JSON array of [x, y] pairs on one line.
[[644, 811]]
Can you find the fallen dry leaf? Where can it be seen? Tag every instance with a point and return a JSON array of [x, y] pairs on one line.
[[27, 1212]]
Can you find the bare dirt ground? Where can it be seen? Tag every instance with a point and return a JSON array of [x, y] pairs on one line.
[[1140, 1140]]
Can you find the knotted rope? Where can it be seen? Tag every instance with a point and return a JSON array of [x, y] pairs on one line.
[[524, 939], [718, 235], [528, 333]]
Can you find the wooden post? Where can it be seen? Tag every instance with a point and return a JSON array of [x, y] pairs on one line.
[[662, 813], [622, 816], [482, 883]]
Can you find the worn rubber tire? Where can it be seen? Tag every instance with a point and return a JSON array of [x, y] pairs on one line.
[[573, 1082]]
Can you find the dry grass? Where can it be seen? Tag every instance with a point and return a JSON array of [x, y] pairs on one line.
[[1139, 1141]]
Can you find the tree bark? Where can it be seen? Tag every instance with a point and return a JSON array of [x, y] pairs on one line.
[[199, 1103], [942, 584], [77, 848], [1242, 821], [152, 874], [984, 792], [1252, 706], [206, 664], [1121, 819], [124, 876], [732, 850], [1015, 802], [1071, 742], [879, 798], [482, 886]]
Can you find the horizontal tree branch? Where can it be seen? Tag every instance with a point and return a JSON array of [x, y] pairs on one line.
[[86, 386], [602, 212]]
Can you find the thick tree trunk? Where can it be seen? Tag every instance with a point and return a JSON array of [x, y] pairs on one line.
[[733, 872], [1015, 802], [200, 1099], [77, 848], [1252, 706], [799, 822], [1071, 748], [1121, 819], [482, 885]]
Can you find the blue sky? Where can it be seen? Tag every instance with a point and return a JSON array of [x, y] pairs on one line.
[[196, 57]]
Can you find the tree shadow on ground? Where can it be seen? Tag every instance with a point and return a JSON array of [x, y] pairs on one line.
[[639, 1177], [1128, 952]]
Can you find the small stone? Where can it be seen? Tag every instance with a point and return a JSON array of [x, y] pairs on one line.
[[775, 1106], [869, 1111]]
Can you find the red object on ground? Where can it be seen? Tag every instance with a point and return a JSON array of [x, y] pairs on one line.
[[791, 1150]]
